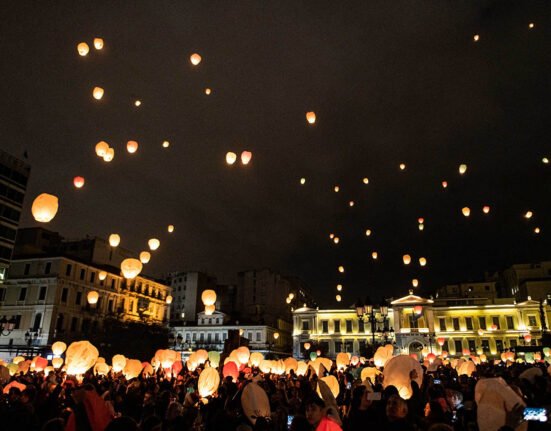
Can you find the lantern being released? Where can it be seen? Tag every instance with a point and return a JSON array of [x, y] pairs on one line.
[[485, 209], [44, 207], [338, 298], [195, 59], [311, 117], [246, 157], [209, 379], [97, 93], [101, 148], [109, 155], [131, 268], [153, 244], [397, 373], [83, 49], [415, 282], [209, 310], [80, 357], [131, 147], [168, 299], [402, 166], [102, 275], [58, 348], [462, 168], [92, 297], [422, 261], [208, 297], [114, 240], [78, 182], [231, 158]]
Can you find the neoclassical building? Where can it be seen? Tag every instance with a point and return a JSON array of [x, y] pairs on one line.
[[479, 325]]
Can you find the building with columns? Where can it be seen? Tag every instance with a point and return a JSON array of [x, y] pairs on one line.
[[412, 323]]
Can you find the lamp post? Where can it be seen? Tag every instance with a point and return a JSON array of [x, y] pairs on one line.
[[7, 326], [367, 311]]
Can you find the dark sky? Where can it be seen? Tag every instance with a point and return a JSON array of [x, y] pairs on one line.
[[390, 82]]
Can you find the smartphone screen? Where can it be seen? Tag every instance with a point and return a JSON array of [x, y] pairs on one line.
[[535, 414], [374, 396], [437, 381], [289, 421]]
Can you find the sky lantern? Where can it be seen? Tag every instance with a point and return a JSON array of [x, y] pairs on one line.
[[132, 369], [131, 147], [101, 148], [131, 268], [102, 275], [537, 230], [407, 259], [338, 298], [440, 341], [137, 103], [80, 356], [480, 332], [208, 297], [114, 240], [531, 25], [431, 357], [545, 161], [92, 297], [243, 354], [527, 337], [366, 180], [153, 244], [118, 362], [421, 226], [374, 255], [109, 155], [420, 220], [351, 203], [195, 59], [98, 43], [208, 91], [336, 189], [166, 144], [397, 373], [231, 158], [339, 287], [78, 182], [307, 346], [288, 300], [83, 49], [303, 181], [209, 379], [402, 166], [528, 214], [476, 37], [368, 232], [466, 211], [97, 92], [462, 168], [45, 207], [418, 309], [415, 282], [246, 157], [341, 269], [311, 117], [444, 184], [485, 209], [58, 348], [168, 299], [422, 261], [291, 295], [145, 257], [170, 228], [209, 309], [57, 362], [276, 335], [493, 327]]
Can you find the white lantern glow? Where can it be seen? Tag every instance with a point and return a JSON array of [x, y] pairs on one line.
[[45, 207], [153, 244]]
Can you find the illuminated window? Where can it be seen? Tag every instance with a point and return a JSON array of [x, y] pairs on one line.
[[532, 321]]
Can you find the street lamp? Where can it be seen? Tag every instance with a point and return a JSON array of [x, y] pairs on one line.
[[7, 326], [366, 311]]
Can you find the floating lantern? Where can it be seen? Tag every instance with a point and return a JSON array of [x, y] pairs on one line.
[[145, 257], [57, 362], [422, 261], [92, 297], [109, 155], [486, 209], [338, 298], [101, 148], [528, 214], [462, 168], [97, 92], [368, 232], [208, 383], [537, 230], [307, 346], [195, 59], [208, 91], [246, 157], [256, 358], [102, 275], [131, 147], [421, 226], [420, 220], [431, 357], [339, 287], [166, 144], [80, 357], [153, 244], [480, 332], [441, 341], [531, 25], [78, 182], [415, 282], [231, 158], [303, 181], [476, 37], [527, 337], [374, 255], [208, 297], [131, 268], [342, 361], [311, 117], [336, 189], [170, 228], [351, 203], [243, 354], [291, 295], [366, 180], [332, 383], [118, 362], [406, 259], [545, 160], [132, 369], [418, 309], [83, 49], [444, 184], [137, 103], [44, 207], [341, 269], [209, 310], [114, 240], [402, 166], [58, 348], [276, 335], [168, 299], [397, 373], [493, 327], [98, 43], [288, 300], [466, 211]]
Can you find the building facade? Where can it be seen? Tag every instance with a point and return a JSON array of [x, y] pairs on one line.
[[47, 297], [476, 325], [14, 174]]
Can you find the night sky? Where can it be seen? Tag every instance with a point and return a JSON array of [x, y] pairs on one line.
[[390, 82]]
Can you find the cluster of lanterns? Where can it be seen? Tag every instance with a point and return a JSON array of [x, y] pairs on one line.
[[209, 299], [83, 49], [246, 157]]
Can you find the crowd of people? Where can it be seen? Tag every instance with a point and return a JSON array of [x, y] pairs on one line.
[[55, 401]]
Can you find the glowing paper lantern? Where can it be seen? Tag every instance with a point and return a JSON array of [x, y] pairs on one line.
[[313, 356], [485, 209], [256, 358], [467, 368], [114, 240], [131, 268], [290, 364], [407, 259], [145, 257], [44, 207], [462, 168], [58, 348], [208, 297], [208, 91], [214, 358], [418, 309], [351, 203], [303, 181], [466, 352], [109, 155], [118, 362], [444, 184], [476, 37], [230, 370], [545, 160], [369, 373], [243, 354], [421, 226], [57, 362], [80, 357], [83, 49], [342, 361], [336, 189], [537, 230], [311, 117], [101, 148], [422, 261], [383, 355], [131, 147], [528, 214], [397, 371], [166, 144], [195, 59], [265, 366], [276, 335], [307, 346], [168, 299], [339, 287], [102, 275], [255, 403], [153, 244], [92, 297], [368, 232], [415, 282], [137, 103], [78, 182], [39, 363], [132, 369], [18, 359], [208, 382], [402, 166], [302, 368], [341, 268], [338, 298], [97, 93], [170, 228], [246, 157], [366, 180], [441, 341], [333, 384], [431, 357], [466, 211], [374, 255], [14, 384], [354, 360], [480, 332], [209, 310], [493, 327], [527, 337]]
